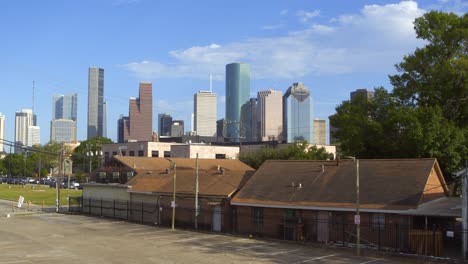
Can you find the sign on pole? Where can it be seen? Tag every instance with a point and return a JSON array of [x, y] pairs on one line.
[[20, 201], [357, 219], [173, 204]]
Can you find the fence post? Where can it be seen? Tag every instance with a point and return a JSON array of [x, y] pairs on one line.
[[142, 212], [127, 211], [396, 236], [89, 205], [343, 232], [434, 240], [114, 209], [101, 207]]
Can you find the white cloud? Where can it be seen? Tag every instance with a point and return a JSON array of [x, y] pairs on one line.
[[372, 40], [305, 16]]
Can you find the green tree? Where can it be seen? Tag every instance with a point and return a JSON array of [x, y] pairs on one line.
[[298, 151], [81, 157]]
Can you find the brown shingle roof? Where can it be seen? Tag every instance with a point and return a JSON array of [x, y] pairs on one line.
[[384, 184], [152, 175]]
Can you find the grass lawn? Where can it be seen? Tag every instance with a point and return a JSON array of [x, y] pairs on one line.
[[36, 194]]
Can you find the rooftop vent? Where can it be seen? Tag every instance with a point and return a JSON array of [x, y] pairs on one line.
[[323, 168], [168, 170], [299, 186], [222, 171]]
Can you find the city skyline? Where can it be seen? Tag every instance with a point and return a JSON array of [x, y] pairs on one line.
[[333, 49]]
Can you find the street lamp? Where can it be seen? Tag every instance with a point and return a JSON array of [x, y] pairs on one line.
[[173, 203], [357, 217]]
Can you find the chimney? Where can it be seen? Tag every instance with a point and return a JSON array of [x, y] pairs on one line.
[[299, 186]]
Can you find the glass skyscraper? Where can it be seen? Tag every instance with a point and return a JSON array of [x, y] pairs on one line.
[[298, 114], [96, 102], [65, 106], [237, 95]]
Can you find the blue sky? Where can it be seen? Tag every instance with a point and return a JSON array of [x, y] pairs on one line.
[[333, 47]]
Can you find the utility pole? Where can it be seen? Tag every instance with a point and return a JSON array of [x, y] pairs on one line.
[[196, 195], [358, 222], [58, 181], [465, 212], [173, 203]]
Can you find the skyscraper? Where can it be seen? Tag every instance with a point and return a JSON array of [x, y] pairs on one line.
[[177, 128], [23, 120], [237, 95], [123, 129], [141, 114], [249, 117], [95, 102], [2, 132], [270, 109], [361, 92], [164, 124], [34, 136], [64, 118], [205, 113], [320, 131], [297, 114]]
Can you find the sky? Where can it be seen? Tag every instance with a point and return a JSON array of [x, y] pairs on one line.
[[333, 47]]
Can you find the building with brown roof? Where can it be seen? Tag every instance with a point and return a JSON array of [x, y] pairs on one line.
[[149, 183], [316, 200]]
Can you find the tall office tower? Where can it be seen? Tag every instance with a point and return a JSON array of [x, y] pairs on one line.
[[95, 102], [123, 129], [64, 118], [63, 130], [249, 116], [220, 130], [34, 136], [237, 95], [2, 132], [141, 114], [362, 92], [23, 120], [164, 124], [205, 113], [297, 114], [270, 109], [65, 106], [177, 128], [320, 131]]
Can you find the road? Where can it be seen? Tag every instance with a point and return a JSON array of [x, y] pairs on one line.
[[59, 238]]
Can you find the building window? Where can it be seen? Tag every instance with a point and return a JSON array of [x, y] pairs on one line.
[[124, 153], [141, 153], [378, 221], [167, 154], [132, 153], [257, 215], [155, 154], [106, 156], [220, 156], [114, 153]]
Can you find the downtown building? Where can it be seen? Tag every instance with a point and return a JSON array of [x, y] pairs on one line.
[[164, 125], [320, 131], [96, 105], [138, 126], [270, 108], [64, 118], [25, 124], [204, 114], [237, 95], [297, 114]]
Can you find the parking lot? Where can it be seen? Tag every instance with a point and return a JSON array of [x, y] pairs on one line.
[[59, 238]]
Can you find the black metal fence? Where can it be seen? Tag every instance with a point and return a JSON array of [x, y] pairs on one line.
[[435, 240]]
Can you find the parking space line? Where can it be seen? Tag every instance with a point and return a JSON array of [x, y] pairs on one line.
[[257, 246], [164, 236], [188, 239], [370, 261], [282, 252], [317, 258]]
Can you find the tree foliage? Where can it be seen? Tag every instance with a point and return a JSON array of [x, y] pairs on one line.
[[86, 151], [297, 151], [426, 115]]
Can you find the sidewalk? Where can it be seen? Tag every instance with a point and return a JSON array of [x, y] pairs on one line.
[[10, 208]]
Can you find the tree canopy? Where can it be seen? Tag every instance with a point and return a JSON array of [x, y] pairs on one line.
[[426, 114]]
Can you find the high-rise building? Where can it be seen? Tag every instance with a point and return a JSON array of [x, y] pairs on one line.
[[23, 120], [63, 130], [320, 131], [64, 118], [95, 102], [205, 113], [270, 110], [164, 124], [2, 133], [65, 106], [297, 114], [237, 95], [34, 136], [220, 130], [177, 128], [141, 114], [123, 129], [249, 116], [362, 92]]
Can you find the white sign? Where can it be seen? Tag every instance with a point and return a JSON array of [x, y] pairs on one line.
[[173, 204], [20, 201], [450, 234], [357, 219]]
